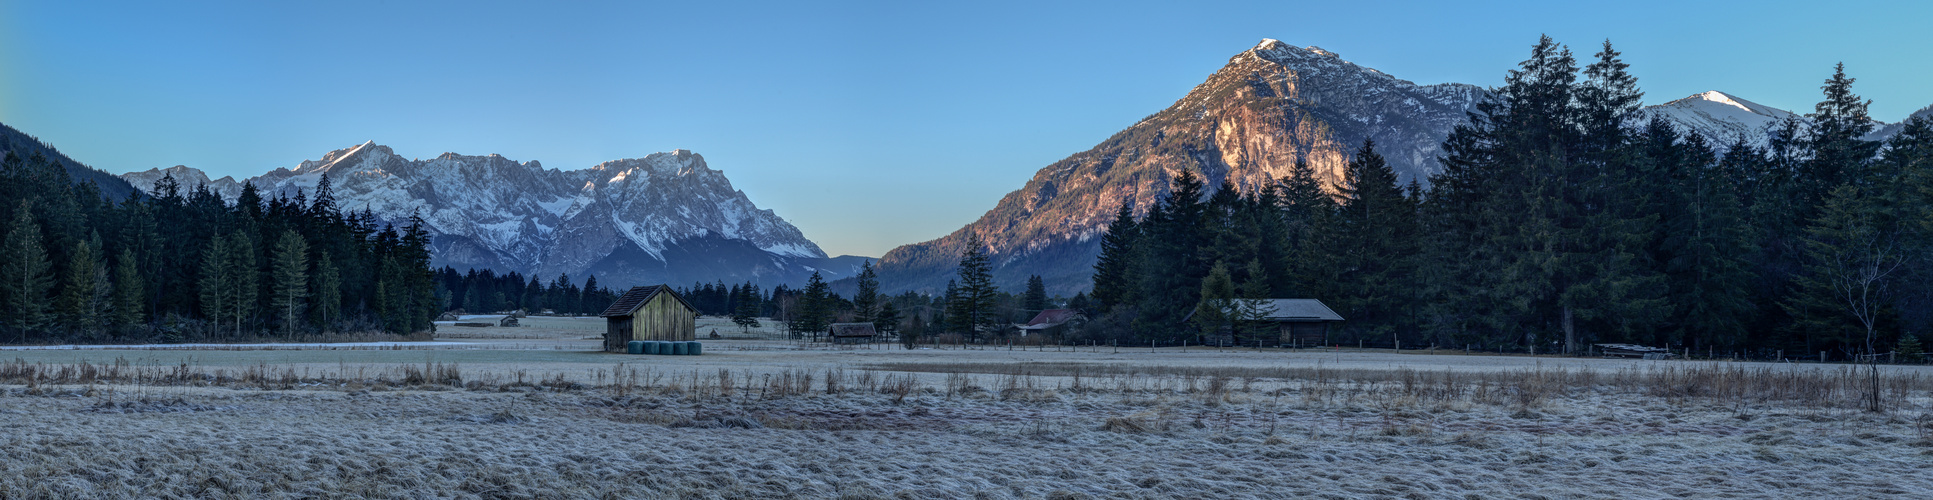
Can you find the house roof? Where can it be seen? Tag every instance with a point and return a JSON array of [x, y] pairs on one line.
[[637, 297], [1050, 318], [852, 330]]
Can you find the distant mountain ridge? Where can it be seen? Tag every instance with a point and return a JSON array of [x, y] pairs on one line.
[[1723, 119], [15, 142], [664, 218]]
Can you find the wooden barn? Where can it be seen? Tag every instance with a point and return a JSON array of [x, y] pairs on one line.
[[851, 333], [1303, 322], [649, 313]]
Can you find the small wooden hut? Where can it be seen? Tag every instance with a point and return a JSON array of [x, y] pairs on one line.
[[649, 313], [507, 321], [851, 333], [1303, 322]]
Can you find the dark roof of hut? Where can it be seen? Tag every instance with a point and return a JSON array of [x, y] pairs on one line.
[[637, 297], [853, 330], [1050, 318], [1292, 311]]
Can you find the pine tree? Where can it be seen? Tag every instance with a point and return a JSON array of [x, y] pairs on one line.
[[328, 292], [1253, 308], [82, 303], [1216, 308], [1035, 299], [977, 295], [865, 302], [1855, 254], [291, 286], [1114, 280], [1375, 245], [26, 276], [887, 321], [130, 296], [746, 314], [815, 307]]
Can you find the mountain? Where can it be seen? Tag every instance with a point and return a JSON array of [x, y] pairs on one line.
[[664, 218], [15, 142], [1723, 118], [1246, 125], [1720, 117]]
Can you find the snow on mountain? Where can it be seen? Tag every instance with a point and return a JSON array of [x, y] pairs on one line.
[[1722, 118], [667, 217]]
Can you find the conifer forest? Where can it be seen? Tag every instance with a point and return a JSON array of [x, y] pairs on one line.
[[1560, 220], [182, 265]]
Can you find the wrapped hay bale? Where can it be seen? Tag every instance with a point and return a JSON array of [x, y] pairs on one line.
[[634, 347], [677, 348], [697, 348]]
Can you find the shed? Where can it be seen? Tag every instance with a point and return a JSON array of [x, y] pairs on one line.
[[1303, 322], [851, 333], [507, 321], [649, 313]]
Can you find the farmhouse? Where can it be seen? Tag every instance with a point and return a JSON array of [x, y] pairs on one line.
[[851, 333], [649, 313]]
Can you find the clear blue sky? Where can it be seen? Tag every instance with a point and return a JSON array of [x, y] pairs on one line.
[[868, 125]]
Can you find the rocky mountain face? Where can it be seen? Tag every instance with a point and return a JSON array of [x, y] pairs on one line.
[[664, 218], [1245, 126]]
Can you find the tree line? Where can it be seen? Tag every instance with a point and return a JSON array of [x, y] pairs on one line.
[[1562, 219], [184, 265]]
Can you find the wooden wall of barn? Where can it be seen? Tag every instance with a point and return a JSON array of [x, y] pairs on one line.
[[664, 318]]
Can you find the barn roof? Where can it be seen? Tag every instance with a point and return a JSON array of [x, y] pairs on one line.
[[637, 297], [1292, 310], [1050, 318], [1298, 310], [852, 330]]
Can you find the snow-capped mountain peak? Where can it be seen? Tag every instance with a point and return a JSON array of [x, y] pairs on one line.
[[1722, 118], [663, 217]]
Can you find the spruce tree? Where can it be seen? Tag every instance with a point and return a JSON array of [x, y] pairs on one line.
[[328, 292], [130, 295], [815, 307], [26, 276], [1035, 299], [746, 314], [291, 275], [82, 306], [1216, 307], [865, 302], [1114, 280], [1376, 242], [973, 307]]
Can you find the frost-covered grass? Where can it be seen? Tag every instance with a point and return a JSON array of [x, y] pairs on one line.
[[948, 429]]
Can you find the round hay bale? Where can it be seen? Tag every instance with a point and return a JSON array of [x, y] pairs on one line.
[[634, 347], [697, 348], [653, 347], [677, 348]]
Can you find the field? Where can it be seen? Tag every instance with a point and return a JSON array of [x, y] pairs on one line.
[[532, 412]]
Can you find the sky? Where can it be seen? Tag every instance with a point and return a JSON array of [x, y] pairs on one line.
[[866, 124]]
